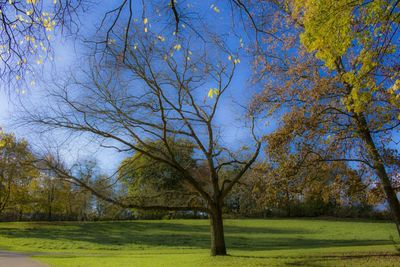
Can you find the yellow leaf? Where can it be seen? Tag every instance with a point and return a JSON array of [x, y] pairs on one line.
[[3, 143], [210, 93], [177, 47]]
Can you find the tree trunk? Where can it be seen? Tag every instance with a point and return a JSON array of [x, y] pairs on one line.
[[390, 195], [380, 170], [288, 211], [218, 247], [49, 213], [20, 215]]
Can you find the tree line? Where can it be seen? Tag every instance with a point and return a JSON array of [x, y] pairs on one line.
[[30, 191], [34, 193]]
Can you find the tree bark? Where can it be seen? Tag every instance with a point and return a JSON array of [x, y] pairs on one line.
[[218, 247], [380, 170]]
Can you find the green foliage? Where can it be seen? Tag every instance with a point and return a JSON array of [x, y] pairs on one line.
[[146, 176], [354, 38], [17, 173], [29, 193], [327, 27]]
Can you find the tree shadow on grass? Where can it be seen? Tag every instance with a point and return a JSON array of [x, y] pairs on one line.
[[175, 234], [372, 259], [348, 260]]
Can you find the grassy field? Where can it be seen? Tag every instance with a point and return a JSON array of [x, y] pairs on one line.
[[295, 242]]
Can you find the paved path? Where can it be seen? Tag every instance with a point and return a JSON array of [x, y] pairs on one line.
[[11, 259]]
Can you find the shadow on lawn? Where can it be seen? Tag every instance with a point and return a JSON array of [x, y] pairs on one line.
[[175, 234], [339, 259], [348, 260]]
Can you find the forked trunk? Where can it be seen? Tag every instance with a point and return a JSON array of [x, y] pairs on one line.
[[218, 247]]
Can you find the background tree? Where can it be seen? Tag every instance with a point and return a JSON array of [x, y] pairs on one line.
[[104, 210], [286, 185], [49, 198], [151, 182], [16, 171]]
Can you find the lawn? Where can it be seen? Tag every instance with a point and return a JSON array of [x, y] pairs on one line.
[[292, 242]]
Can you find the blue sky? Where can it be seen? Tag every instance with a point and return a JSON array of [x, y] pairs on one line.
[[69, 52]]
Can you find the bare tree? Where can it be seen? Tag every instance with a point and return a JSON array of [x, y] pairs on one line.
[[157, 92], [28, 27]]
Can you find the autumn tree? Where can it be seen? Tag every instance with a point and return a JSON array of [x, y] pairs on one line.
[[333, 82], [288, 184], [249, 198]]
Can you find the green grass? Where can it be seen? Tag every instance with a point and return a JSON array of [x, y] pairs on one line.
[[294, 242]]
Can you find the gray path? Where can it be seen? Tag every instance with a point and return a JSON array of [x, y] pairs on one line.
[[11, 259]]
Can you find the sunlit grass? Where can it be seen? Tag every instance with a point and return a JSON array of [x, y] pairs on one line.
[[186, 242]]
